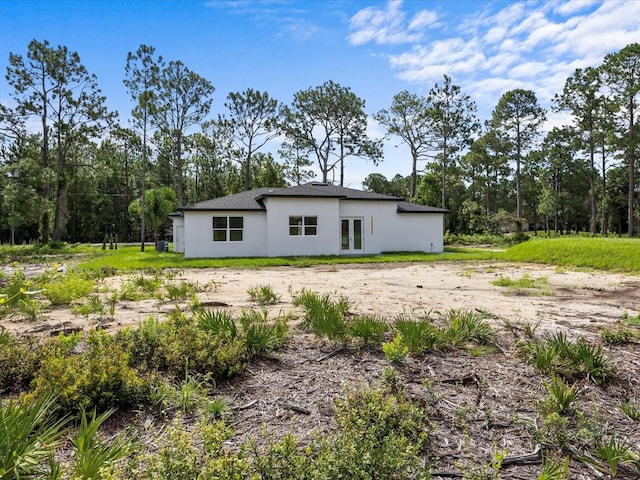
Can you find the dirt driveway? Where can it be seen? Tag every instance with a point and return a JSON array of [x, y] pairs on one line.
[[561, 299]]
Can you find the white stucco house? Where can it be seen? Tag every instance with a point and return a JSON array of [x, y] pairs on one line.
[[311, 219]]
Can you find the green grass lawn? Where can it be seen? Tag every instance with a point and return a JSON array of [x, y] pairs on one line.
[[131, 258], [610, 254]]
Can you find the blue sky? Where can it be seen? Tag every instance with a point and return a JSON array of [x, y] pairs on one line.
[[377, 48]]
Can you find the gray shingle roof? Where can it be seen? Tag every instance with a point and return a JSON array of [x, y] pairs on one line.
[[248, 200], [253, 199], [324, 190], [408, 207]]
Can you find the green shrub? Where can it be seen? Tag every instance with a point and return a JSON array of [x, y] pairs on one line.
[[181, 345], [67, 288], [181, 291], [100, 377], [140, 287], [395, 350], [143, 343], [381, 435], [186, 348], [20, 361], [618, 336]]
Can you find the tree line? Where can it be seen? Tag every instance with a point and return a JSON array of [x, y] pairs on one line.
[[69, 171]]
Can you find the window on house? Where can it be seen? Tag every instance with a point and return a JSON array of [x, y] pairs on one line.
[[303, 226], [228, 229]]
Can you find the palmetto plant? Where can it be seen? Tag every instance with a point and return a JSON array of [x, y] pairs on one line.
[[561, 396], [631, 408], [260, 335], [91, 454], [216, 322], [28, 436], [418, 336], [467, 326], [263, 295], [368, 328], [324, 316], [554, 470], [614, 452]]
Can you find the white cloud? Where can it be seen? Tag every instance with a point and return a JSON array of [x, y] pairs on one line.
[[531, 44], [422, 19], [569, 8], [388, 25]]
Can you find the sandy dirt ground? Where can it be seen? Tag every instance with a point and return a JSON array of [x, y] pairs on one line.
[[478, 405], [562, 299]]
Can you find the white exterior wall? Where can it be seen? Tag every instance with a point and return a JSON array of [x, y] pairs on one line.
[[199, 237], [377, 214], [385, 230], [280, 243], [416, 232], [178, 234]]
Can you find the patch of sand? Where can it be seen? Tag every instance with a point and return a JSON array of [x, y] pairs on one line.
[[564, 299]]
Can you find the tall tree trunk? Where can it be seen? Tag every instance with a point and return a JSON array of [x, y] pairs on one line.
[[518, 180], [414, 172], [632, 168], [46, 189], [592, 185], [604, 226], [179, 171]]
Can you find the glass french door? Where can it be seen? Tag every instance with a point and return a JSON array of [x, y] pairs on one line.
[[351, 237]]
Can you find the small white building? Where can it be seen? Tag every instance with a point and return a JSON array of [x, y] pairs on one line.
[[310, 219]]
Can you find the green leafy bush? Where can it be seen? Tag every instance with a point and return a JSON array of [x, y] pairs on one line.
[[381, 435], [20, 360], [396, 350], [67, 288], [100, 377], [186, 348]]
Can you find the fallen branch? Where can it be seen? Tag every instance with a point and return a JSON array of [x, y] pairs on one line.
[[471, 379], [447, 474], [332, 353], [533, 457], [297, 409], [245, 406]]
